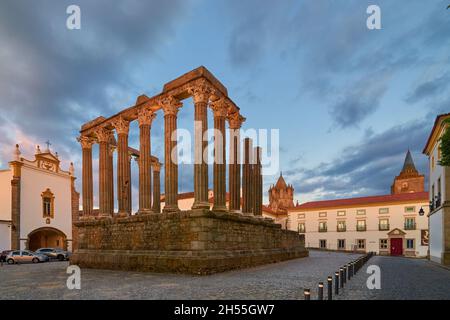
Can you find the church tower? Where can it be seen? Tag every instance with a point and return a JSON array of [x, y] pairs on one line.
[[281, 196], [409, 180]]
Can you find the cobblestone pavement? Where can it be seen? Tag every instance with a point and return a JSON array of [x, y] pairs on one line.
[[401, 278], [284, 280]]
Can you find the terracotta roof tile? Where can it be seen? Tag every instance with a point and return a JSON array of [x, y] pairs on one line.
[[419, 196]]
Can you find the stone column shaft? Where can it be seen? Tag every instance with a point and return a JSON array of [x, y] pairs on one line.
[[156, 189], [219, 169], [123, 168], [103, 136], [200, 148], [111, 177], [247, 181], [170, 106], [87, 179], [257, 183], [234, 178], [145, 166]]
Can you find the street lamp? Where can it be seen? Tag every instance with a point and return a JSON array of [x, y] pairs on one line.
[[421, 211]]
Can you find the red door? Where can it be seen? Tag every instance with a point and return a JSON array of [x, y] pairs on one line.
[[396, 246]]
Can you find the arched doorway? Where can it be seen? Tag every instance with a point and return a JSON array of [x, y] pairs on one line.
[[47, 238]]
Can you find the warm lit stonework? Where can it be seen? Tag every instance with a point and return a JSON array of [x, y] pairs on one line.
[[199, 240]]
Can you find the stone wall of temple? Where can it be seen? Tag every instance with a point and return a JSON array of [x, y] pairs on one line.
[[201, 242]]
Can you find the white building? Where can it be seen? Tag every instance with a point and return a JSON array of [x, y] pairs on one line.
[[439, 195], [394, 224], [37, 202]]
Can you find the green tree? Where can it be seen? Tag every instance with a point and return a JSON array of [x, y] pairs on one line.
[[445, 146]]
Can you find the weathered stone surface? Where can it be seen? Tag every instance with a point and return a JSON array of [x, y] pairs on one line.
[[201, 242]]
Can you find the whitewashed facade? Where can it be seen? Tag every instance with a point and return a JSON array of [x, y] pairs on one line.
[[46, 200]]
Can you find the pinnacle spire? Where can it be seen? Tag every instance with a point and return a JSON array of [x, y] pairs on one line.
[[409, 162]]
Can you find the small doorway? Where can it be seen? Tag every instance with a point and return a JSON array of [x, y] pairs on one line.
[[396, 246]]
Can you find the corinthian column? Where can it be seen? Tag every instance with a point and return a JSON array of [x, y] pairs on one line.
[[220, 112], [257, 183], [170, 106], [145, 119], [247, 181], [87, 181], [111, 149], [103, 137], [156, 188], [123, 167], [200, 94], [234, 179]]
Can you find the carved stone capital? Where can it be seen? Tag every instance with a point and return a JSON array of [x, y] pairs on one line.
[[145, 117], [235, 120], [219, 108], [201, 92], [121, 125], [86, 142], [157, 167], [170, 105], [103, 134]]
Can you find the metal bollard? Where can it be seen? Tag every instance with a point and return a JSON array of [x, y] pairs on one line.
[[307, 294], [341, 278], [320, 294], [345, 273], [336, 283], [349, 272], [330, 287]]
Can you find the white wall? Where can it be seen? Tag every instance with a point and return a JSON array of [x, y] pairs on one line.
[[372, 236], [5, 236], [33, 183], [436, 236], [5, 194]]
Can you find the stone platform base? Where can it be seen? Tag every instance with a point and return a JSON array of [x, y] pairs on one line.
[[194, 242]]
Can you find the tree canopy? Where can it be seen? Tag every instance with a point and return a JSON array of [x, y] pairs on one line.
[[445, 146]]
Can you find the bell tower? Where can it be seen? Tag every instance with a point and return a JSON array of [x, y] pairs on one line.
[[409, 180]]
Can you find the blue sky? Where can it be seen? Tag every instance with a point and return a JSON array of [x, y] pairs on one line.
[[348, 101]]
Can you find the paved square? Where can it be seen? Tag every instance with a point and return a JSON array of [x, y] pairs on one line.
[[284, 280], [401, 278]]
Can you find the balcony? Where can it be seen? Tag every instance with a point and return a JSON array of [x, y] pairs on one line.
[[361, 228], [383, 227], [436, 202], [410, 226], [341, 229], [323, 229]]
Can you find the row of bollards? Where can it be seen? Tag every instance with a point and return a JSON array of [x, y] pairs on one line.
[[341, 276]]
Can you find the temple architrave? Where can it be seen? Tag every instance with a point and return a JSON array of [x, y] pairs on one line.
[[200, 240]]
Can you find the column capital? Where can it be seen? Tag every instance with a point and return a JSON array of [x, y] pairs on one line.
[[220, 108], [235, 120], [201, 92], [121, 125], [170, 105], [103, 134], [86, 142], [157, 166], [146, 117]]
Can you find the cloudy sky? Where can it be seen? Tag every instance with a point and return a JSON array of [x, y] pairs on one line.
[[348, 101]]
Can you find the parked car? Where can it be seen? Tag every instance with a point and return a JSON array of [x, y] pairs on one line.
[[3, 255], [54, 253], [21, 256]]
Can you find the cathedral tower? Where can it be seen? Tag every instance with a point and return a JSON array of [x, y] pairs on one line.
[[409, 180], [281, 196]]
